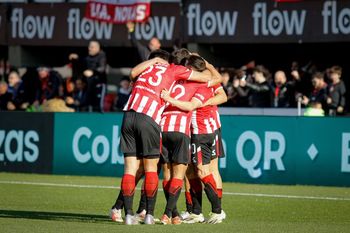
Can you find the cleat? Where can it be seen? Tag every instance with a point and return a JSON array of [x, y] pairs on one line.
[[176, 220], [216, 218], [131, 220], [149, 220], [165, 220], [223, 213], [116, 215], [141, 216], [194, 218], [184, 215]]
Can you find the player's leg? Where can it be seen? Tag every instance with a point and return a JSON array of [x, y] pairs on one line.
[[149, 142], [178, 174], [214, 169], [178, 154], [151, 187], [196, 188], [214, 164], [119, 202], [189, 204], [131, 164], [205, 152], [166, 179], [195, 192], [116, 210], [141, 211], [210, 187]]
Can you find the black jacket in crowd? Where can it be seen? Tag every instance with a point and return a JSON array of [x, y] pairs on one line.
[[260, 94], [98, 64], [337, 94]]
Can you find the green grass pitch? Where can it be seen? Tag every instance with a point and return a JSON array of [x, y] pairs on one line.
[[46, 203]]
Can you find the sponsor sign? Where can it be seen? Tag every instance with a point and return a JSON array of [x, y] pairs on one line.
[[196, 21], [26, 142], [65, 25], [286, 150], [88, 146]]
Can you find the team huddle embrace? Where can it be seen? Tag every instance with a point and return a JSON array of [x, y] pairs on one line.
[[171, 124]]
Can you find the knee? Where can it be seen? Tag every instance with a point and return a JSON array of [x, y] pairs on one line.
[[203, 173]]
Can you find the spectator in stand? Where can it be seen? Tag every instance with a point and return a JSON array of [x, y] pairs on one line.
[[143, 50], [96, 75], [259, 92], [124, 92], [238, 94], [319, 92], [50, 85], [5, 98], [283, 91], [301, 79], [31, 83], [227, 85], [336, 92], [17, 89], [78, 100], [94, 69]]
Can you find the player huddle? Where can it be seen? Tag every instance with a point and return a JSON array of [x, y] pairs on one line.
[[171, 122]]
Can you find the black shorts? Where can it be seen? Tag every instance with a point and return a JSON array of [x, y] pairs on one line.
[[176, 148], [219, 147], [203, 148], [140, 136]]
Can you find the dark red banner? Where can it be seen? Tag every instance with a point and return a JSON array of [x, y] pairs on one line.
[[118, 13]]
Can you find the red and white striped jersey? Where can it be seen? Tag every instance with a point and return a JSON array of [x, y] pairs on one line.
[[215, 112], [175, 119], [206, 120], [145, 96]]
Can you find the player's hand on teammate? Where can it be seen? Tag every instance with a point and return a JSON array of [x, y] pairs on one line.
[[165, 95]]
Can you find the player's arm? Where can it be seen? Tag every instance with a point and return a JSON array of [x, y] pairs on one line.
[[211, 76], [219, 98], [183, 105], [217, 78], [137, 70], [203, 77]]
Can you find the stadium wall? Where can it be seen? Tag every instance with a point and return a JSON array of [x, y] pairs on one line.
[[259, 149]]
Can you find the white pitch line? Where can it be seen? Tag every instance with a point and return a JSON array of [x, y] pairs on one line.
[[226, 193]]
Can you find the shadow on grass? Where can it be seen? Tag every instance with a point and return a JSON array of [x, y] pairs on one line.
[[54, 216]]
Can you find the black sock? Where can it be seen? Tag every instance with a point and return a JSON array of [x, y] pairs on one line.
[[175, 212], [170, 209], [119, 203], [128, 200], [196, 202], [142, 203], [151, 202], [213, 198]]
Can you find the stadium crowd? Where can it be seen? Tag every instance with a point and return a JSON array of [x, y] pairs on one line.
[[248, 86], [321, 92]]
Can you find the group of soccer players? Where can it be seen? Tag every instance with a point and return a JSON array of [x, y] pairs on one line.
[[171, 122]]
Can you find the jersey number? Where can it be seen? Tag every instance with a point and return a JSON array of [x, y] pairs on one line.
[[182, 91], [154, 81]]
